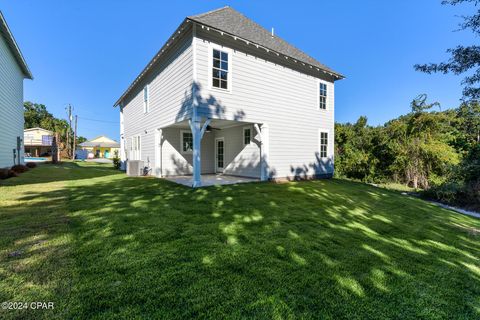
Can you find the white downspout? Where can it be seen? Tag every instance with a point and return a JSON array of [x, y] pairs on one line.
[[123, 155], [264, 150]]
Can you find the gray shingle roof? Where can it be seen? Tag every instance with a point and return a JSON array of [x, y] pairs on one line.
[[233, 22]]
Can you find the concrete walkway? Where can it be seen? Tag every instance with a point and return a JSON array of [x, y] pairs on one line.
[[211, 180]]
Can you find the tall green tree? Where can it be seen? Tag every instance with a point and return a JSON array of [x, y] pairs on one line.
[[462, 59], [420, 143]]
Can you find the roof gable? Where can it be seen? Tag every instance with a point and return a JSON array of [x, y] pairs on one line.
[[12, 44], [235, 23], [102, 139], [38, 129]]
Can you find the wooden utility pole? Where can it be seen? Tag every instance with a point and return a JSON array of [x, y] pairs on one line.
[[75, 138], [69, 113]]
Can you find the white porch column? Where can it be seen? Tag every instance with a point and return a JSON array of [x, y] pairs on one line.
[[264, 150], [197, 133], [123, 146]]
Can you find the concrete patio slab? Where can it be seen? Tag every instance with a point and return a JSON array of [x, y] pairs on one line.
[[211, 180]]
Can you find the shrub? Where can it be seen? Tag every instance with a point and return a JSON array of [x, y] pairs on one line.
[[116, 163], [19, 168], [31, 165], [6, 173], [447, 193]]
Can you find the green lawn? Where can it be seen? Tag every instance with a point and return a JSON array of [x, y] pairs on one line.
[[101, 245]]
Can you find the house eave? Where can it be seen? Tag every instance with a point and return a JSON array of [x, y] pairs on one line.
[[14, 48], [334, 74], [152, 62]]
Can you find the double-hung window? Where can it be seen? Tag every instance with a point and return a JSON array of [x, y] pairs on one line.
[[220, 71], [322, 96], [323, 144], [146, 97], [247, 136], [187, 142]]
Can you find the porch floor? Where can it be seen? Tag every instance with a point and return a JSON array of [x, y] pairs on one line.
[[211, 180]]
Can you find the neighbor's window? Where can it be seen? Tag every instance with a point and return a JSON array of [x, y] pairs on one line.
[[187, 141], [220, 69], [146, 94], [322, 96], [247, 136], [323, 144]]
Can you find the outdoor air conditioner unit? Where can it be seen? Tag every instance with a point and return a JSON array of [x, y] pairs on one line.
[[135, 168]]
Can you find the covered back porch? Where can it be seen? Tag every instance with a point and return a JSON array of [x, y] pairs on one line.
[[211, 151]]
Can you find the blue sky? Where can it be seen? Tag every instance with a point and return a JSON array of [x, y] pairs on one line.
[[87, 52]]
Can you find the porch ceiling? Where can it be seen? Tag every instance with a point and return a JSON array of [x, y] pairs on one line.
[[215, 123]]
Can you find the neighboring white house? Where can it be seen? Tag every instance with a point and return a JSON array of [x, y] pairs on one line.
[[226, 95], [13, 70], [38, 142]]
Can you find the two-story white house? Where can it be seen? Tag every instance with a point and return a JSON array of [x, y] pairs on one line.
[[13, 70], [224, 95]]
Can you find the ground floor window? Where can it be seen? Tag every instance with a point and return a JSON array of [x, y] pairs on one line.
[[187, 142], [247, 136], [323, 144]]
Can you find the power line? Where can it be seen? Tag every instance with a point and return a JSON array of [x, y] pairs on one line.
[[115, 122]]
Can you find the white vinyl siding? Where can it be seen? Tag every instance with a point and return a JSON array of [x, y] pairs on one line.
[[11, 105], [170, 87], [146, 105], [265, 90]]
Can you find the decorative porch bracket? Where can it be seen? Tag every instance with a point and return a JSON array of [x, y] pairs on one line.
[[197, 132], [264, 150]]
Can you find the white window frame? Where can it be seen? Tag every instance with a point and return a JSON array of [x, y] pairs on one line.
[[181, 141], [320, 131], [318, 94], [136, 147], [146, 103], [243, 135], [229, 51]]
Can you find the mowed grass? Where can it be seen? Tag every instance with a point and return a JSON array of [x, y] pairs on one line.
[[101, 245]]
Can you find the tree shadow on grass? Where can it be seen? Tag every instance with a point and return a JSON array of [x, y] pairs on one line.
[[65, 171], [152, 248]]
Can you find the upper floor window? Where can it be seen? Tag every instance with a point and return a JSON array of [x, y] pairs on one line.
[[323, 144], [220, 69], [247, 136], [146, 96], [187, 142], [322, 96]]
